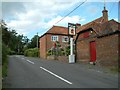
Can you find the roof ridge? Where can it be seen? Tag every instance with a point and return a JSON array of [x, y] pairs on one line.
[[59, 26], [89, 23]]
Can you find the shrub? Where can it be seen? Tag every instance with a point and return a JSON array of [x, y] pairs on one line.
[[32, 52], [59, 51], [10, 52], [68, 50], [4, 60], [49, 52], [4, 53]]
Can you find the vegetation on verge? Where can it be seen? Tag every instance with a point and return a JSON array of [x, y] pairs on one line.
[[32, 52], [14, 43], [59, 50], [4, 60]]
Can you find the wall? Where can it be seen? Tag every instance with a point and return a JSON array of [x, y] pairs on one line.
[[50, 43], [43, 47], [83, 49], [107, 50], [59, 58], [46, 44]]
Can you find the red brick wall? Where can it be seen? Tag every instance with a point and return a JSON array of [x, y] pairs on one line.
[[43, 47], [107, 50], [83, 51], [46, 44], [50, 43]]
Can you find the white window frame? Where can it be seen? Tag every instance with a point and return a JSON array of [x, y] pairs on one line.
[[54, 38], [63, 38]]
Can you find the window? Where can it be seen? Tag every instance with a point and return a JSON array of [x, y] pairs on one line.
[[54, 38], [86, 34], [65, 39]]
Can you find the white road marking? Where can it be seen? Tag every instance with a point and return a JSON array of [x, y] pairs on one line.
[[30, 62], [56, 75]]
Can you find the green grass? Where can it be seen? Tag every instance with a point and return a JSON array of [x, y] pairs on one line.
[[115, 70], [0, 77], [5, 69], [4, 60]]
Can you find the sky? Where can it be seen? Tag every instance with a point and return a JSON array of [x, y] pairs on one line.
[[32, 16]]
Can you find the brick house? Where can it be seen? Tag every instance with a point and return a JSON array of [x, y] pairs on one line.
[[48, 40], [99, 41]]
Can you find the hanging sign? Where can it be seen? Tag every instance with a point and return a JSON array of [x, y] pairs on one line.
[[71, 29]]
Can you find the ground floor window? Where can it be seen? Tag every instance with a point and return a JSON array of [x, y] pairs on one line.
[[65, 39]]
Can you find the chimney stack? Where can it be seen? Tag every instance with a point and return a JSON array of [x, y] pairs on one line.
[[105, 15], [78, 25]]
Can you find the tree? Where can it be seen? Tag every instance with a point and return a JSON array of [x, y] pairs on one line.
[[13, 40], [33, 43]]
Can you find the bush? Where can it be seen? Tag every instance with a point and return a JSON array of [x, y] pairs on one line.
[[59, 51], [4, 53], [32, 52], [10, 52], [68, 50], [4, 60], [49, 52]]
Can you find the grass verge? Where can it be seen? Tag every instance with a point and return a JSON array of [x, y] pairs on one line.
[[5, 69], [0, 77]]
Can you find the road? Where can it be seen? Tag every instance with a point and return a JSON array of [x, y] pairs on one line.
[[27, 72]]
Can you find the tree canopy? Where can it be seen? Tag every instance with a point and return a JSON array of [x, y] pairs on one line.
[[15, 42]]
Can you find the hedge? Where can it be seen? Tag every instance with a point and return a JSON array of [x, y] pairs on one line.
[[32, 52], [4, 60]]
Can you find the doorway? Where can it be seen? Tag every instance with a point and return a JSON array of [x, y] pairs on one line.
[[92, 51]]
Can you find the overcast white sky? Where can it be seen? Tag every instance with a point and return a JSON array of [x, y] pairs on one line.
[[34, 16]]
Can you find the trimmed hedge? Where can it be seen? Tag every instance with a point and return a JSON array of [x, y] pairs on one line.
[[32, 52]]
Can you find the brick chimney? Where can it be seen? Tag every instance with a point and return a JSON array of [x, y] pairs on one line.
[[78, 25], [105, 15]]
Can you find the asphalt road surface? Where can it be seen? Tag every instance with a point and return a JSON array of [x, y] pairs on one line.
[[27, 72]]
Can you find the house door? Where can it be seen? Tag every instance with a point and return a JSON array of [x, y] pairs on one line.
[[92, 51]]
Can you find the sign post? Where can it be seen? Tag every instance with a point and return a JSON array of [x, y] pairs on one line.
[[72, 32]]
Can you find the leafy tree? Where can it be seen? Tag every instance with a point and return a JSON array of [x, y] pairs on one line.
[[33, 42], [13, 40], [12, 43]]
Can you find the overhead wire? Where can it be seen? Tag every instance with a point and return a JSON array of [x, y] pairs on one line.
[[71, 11]]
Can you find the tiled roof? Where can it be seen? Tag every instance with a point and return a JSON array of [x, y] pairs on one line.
[[100, 27], [110, 26], [58, 30], [90, 24]]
